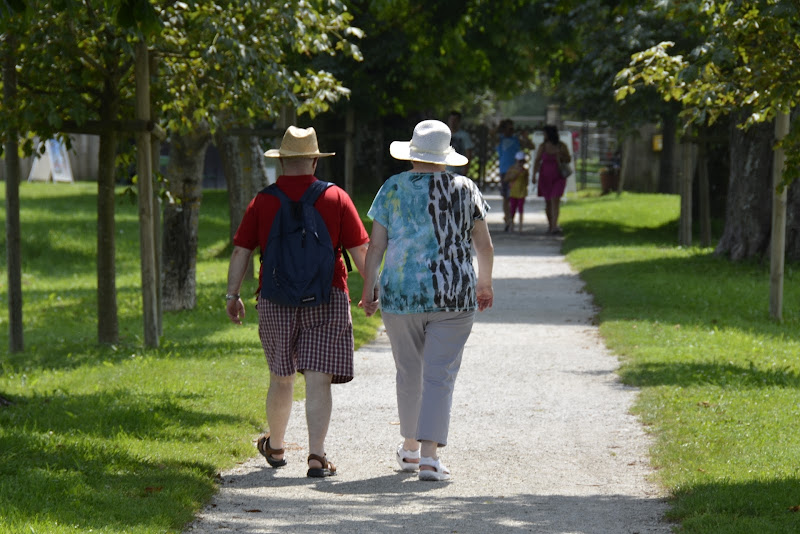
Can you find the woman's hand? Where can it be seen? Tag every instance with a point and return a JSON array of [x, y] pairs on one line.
[[369, 303], [485, 295]]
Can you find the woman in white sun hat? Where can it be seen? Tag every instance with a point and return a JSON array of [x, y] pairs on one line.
[[426, 222]]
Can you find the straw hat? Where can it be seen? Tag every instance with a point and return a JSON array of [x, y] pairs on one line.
[[430, 143], [298, 143]]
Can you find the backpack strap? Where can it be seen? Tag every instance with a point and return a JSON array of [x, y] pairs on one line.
[[314, 191], [276, 191], [311, 194]]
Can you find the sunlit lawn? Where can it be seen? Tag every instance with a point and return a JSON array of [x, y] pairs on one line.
[[720, 379], [119, 438]]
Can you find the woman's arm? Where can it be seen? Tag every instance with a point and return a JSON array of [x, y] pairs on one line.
[[378, 241], [563, 150], [537, 160], [484, 249]]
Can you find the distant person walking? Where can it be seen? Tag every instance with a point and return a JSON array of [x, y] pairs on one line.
[[551, 155], [507, 147], [316, 341], [517, 178], [426, 222], [461, 142]]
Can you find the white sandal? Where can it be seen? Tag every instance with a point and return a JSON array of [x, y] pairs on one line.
[[440, 471], [403, 455]]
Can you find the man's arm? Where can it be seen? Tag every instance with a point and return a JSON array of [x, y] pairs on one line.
[[236, 271], [359, 255]]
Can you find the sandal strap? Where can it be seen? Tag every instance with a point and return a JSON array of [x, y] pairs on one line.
[[322, 460], [437, 464], [265, 449]]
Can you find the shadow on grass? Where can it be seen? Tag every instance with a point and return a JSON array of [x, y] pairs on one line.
[[701, 290], [59, 231], [715, 374], [62, 333], [96, 485], [607, 234], [138, 415], [739, 507]]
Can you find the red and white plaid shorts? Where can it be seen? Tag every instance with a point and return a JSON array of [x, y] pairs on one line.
[[318, 338]]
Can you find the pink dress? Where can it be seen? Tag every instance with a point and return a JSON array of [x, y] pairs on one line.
[[551, 184]]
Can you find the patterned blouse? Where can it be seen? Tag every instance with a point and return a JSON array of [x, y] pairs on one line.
[[429, 219]]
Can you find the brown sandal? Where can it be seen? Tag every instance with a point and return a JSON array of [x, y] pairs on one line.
[[267, 452], [327, 469]]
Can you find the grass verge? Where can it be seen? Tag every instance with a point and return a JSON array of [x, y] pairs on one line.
[[719, 378], [120, 439]]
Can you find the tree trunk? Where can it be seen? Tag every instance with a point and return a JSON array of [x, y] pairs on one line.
[[245, 175], [107, 323], [238, 190], [13, 230], [778, 227], [185, 182], [749, 206], [147, 223], [793, 214], [793, 222], [254, 165]]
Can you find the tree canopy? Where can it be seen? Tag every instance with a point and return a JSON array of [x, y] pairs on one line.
[[747, 59]]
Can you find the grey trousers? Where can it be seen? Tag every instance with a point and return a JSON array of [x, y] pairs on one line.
[[427, 349]]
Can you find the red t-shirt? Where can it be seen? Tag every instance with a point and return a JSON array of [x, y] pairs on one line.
[[335, 206]]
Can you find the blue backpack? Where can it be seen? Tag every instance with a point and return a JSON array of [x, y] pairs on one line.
[[298, 261]]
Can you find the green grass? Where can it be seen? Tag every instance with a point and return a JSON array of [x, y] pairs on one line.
[[719, 379], [122, 439]]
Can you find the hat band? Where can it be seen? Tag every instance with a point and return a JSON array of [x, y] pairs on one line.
[[412, 148]]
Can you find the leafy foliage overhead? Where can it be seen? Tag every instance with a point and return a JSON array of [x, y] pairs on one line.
[[747, 59], [599, 38], [242, 59], [422, 55]]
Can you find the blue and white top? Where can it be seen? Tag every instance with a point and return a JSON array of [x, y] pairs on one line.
[[429, 219]]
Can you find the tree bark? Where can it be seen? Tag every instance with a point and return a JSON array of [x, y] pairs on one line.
[[749, 206], [185, 182], [793, 222], [245, 175], [238, 190], [255, 165], [144, 170], [778, 228]]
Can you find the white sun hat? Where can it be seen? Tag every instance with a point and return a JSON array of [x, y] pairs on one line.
[[430, 143]]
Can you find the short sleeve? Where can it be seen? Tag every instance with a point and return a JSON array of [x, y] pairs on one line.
[[352, 229], [379, 210], [481, 206], [246, 235]]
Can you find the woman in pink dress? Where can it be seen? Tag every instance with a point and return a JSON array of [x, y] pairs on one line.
[[551, 182]]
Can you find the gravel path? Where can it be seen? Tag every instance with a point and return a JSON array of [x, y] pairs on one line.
[[541, 437]]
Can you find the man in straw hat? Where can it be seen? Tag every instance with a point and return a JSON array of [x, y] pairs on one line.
[[316, 341], [426, 221]]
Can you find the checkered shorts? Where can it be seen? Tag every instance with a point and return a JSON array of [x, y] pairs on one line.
[[318, 338]]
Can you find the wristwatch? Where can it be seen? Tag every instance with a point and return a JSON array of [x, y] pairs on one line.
[[230, 297]]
